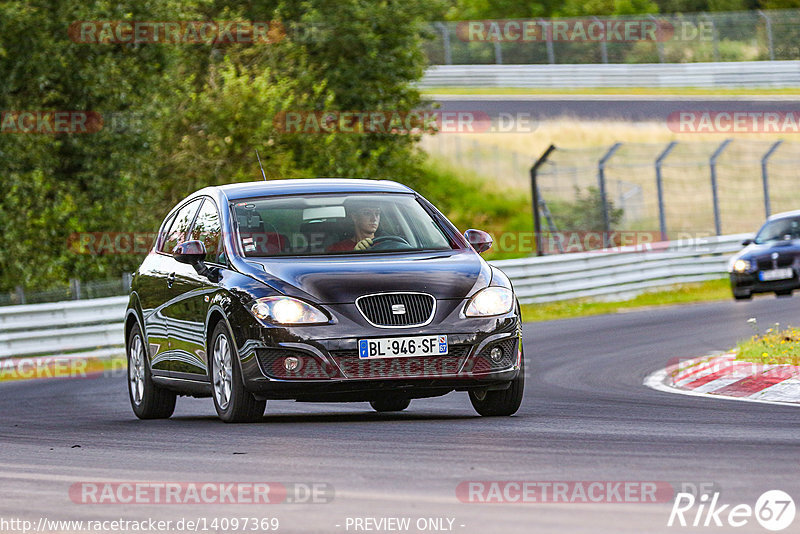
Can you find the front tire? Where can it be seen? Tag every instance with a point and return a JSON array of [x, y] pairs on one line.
[[784, 293], [503, 402], [390, 404], [233, 402], [147, 399]]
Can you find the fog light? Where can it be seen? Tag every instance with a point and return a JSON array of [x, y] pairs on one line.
[[291, 363], [496, 354]]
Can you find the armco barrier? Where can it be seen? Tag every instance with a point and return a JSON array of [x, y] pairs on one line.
[[86, 327], [730, 74], [605, 274], [94, 327]]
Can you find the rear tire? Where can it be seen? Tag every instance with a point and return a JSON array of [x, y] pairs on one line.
[[147, 399], [503, 402], [390, 404], [742, 296], [784, 293], [233, 402]]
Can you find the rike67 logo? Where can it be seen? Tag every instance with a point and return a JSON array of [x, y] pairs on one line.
[[774, 510]]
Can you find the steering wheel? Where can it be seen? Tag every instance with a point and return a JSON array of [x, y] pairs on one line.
[[389, 242]]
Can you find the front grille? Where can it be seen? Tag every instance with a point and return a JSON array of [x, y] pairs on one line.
[[271, 363], [418, 309], [410, 367], [766, 263]]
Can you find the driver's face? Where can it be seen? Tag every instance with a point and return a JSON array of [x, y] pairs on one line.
[[367, 220]]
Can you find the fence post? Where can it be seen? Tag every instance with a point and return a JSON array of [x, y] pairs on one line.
[[662, 219], [551, 55], [603, 46], [768, 23], [127, 279], [20, 292], [498, 53], [714, 39], [765, 176], [75, 288], [537, 220], [448, 56], [601, 178], [659, 44], [712, 163]]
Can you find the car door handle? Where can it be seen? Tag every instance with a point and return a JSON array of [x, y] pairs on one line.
[[170, 279]]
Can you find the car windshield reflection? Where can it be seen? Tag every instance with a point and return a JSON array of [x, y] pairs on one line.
[[779, 230], [321, 225]]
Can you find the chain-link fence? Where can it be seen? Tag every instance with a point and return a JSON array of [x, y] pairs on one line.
[[698, 37], [672, 190], [682, 187], [75, 290]]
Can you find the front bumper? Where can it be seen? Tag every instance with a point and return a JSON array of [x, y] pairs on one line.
[[332, 371], [743, 283]]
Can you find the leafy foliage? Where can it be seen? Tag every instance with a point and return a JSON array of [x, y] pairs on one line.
[[585, 212], [178, 117]]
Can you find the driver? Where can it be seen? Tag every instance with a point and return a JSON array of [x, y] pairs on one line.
[[366, 219]]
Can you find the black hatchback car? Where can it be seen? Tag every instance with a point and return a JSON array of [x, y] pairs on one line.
[[771, 261], [319, 290]]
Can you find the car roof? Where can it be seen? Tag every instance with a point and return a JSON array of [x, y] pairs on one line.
[[785, 214], [310, 186]]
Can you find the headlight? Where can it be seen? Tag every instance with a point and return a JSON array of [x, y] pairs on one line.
[[490, 301], [287, 310], [739, 266]]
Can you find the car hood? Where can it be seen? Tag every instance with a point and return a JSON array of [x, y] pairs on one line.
[[342, 279], [754, 251]]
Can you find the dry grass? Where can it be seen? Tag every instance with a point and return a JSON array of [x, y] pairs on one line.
[[505, 159]]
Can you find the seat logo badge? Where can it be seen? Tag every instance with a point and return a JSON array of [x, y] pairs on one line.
[[398, 309], [774, 255]]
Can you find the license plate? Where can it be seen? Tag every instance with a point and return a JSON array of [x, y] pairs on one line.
[[776, 274], [402, 347]]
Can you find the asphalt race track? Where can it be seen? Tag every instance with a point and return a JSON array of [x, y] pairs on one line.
[[586, 417], [623, 107]]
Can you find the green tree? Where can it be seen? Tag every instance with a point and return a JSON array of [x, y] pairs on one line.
[[57, 185]]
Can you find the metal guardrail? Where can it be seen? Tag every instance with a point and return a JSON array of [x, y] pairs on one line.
[[86, 328], [93, 328], [620, 274], [728, 74]]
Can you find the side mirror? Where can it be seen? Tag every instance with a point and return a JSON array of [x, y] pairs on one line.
[[747, 242], [190, 252], [480, 240]]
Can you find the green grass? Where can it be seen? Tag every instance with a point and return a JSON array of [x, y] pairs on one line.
[[775, 346], [679, 294], [471, 201], [656, 91]]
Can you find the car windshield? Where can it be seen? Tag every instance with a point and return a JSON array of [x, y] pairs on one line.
[[316, 225], [778, 229]]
